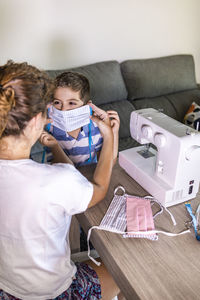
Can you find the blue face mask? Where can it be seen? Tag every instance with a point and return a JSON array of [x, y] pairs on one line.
[[70, 120]]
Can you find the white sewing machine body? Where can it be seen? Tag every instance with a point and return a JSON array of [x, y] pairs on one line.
[[172, 172]]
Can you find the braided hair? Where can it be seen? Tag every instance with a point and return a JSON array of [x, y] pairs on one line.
[[24, 92]]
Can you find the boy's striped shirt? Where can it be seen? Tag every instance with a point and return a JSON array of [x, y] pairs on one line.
[[78, 149]]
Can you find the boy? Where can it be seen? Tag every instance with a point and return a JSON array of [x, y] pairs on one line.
[[83, 144]]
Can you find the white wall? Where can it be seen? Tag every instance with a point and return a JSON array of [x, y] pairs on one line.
[[68, 33]]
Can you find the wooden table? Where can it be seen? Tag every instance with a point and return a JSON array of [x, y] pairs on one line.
[[159, 270]]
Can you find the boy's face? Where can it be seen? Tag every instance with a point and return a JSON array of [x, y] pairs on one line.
[[66, 99]]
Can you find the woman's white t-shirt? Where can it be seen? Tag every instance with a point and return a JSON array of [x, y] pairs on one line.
[[36, 205]]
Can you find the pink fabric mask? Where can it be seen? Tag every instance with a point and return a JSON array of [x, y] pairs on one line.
[[139, 217], [132, 217]]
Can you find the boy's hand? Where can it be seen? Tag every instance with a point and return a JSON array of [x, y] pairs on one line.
[[114, 120], [48, 140], [59, 155]]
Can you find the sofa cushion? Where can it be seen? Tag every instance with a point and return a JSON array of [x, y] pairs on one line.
[[124, 109], [192, 117], [182, 101], [126, 143], [158, 76], [159, 103], [106, 82], [37, 152]]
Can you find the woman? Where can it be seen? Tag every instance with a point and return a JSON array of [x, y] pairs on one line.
[[38, 200]]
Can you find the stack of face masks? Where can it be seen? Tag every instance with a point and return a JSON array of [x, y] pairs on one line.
[[70, 119], [132, 217]]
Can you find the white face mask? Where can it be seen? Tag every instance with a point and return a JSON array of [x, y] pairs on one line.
[[70, 119], [116, 219]]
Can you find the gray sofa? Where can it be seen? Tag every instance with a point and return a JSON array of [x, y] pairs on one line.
[[165, 83]]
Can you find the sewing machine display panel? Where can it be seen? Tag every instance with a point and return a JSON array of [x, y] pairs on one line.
[[169, 172]]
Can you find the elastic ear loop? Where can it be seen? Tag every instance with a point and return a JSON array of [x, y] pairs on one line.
[[119, 187], [47, 128], [161, 209]]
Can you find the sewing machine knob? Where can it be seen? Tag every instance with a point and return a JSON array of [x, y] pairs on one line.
[[159, 140], [192, 152], [146, 131]]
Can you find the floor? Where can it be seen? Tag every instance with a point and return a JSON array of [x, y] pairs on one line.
[[83, 255]]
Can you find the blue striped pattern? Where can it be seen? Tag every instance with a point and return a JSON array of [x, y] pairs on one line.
[[78, 149]]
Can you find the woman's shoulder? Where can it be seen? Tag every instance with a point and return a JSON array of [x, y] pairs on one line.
[[61, 167], [55, 173], [48, 169]]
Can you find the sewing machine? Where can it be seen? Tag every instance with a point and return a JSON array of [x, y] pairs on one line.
[[171, 172]]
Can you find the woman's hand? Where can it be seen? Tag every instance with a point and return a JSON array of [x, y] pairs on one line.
[[114, 120], [103, 171], [115, 123], [48, 140], [110, 117], [101, 118]]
